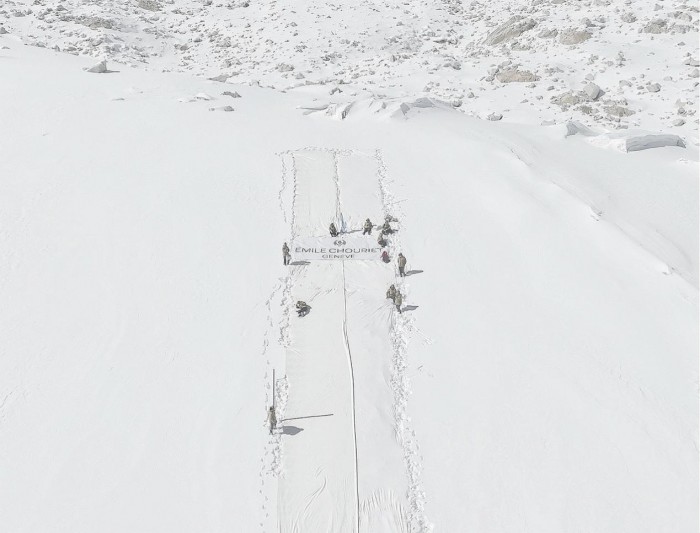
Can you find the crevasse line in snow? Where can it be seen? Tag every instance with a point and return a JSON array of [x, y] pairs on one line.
[[352, 394]]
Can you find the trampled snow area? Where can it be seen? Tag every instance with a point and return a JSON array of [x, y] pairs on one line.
[[542, 376]]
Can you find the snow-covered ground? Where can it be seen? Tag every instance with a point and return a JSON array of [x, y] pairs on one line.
[[543, 375]]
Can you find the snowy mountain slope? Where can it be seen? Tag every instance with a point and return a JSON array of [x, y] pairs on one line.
[[527, 61], [550, 379]]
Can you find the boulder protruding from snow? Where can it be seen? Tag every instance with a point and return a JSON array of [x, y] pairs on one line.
[[592, 91], [574, 127], [644, 142], [100, 68], [509, 30], [573, 37], [515, 75], [656, 26]]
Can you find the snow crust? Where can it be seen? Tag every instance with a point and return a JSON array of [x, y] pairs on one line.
[[542, 377]]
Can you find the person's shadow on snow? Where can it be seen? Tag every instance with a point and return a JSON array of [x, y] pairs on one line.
[[409, 308], [291, 430], [413, 272]]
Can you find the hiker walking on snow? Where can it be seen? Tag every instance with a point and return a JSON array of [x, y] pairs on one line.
[[381, 241], [391, 293], [402, 265], [285, 254], [398, 300], [386, 228], [272, 418], [302, 308], [385, 256], [367, 228], [333, 230]]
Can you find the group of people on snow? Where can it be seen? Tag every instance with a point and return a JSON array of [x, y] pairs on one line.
[[392, 293], [385, 229]]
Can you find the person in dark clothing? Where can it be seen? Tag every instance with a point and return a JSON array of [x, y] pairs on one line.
[[272, 419], [385, 256], [381, 241], [285, 254], [302, 308], [333, 230], [367, 228]]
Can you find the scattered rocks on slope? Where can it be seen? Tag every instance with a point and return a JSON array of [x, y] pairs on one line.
[[653, 87], [494, 116], [509, 30], [231, 94], [3, 31]]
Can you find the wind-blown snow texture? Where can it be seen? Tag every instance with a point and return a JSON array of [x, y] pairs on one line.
[[543, 375]]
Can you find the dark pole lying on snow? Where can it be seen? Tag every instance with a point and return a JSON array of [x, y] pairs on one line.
[[302, 417]]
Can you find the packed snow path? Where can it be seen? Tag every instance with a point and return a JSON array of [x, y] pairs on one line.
[[343, 465]]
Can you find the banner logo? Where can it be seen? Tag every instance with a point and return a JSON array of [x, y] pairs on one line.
[[329, 248]]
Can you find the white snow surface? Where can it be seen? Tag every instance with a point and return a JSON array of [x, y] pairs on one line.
[[542, 376]]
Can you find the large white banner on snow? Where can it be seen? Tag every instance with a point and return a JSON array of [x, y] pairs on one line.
[[336, 248]]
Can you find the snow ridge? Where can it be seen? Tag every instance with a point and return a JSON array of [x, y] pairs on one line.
[[400, 382]]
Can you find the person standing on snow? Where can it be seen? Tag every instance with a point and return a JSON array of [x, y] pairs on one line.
[[398, 300], [402, 265], [286, 257], [333, 230], [302, 308], [391, 293], [367, 228], [272, 418], [386, 228], [381, 241], [385, 256]]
